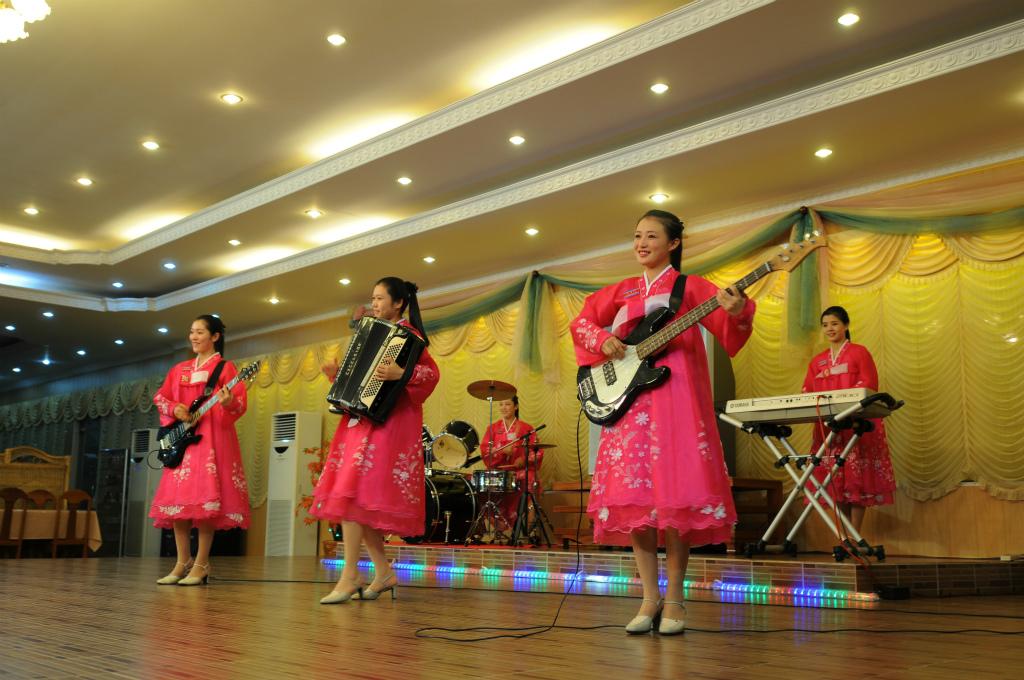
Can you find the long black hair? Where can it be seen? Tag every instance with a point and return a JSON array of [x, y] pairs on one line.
[[400, 289], [673, 229], [839, 313], [214, 325], [515, 401]]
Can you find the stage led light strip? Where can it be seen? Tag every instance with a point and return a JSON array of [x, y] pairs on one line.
[[720, 586]]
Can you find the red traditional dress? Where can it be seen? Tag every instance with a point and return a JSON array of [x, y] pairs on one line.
[[373, 474], [209, 485], [661, 464], [496, 436], [866, 478]]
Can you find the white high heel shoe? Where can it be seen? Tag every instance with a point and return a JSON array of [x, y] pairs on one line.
[[339, 596], [673, 626], [172, 578], [645, 624]]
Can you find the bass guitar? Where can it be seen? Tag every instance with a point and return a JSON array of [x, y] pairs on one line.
[[173, 440], [607, 389]]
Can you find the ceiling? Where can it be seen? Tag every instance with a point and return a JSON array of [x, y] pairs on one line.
[[433, 91]]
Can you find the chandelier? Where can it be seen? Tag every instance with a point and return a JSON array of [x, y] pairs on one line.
[[14, 14]]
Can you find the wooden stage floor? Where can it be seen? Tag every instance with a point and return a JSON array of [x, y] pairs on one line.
[[259, 618]]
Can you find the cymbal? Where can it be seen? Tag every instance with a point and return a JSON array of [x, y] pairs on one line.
[[491, 389]]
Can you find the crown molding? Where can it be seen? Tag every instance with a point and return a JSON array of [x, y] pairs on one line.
[[687, 20], [877, 80]]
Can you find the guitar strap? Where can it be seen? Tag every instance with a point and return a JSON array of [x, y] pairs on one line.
[[210, 383], [676, 298]]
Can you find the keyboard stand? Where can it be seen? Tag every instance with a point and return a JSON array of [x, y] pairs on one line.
[[805, 481]]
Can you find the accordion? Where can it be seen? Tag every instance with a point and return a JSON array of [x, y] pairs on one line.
[[356, 391]]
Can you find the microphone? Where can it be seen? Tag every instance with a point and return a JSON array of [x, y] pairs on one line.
[[533, 431]]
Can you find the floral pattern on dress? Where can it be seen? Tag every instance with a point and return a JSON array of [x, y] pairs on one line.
[[373, 474], [197, 490], [660, 465], [866, 477], [588, 334]]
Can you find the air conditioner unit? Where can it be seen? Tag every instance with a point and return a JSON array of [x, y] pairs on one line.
[[142, 539], [291, 434]]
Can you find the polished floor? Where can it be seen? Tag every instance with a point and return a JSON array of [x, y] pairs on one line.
[[259, 618]]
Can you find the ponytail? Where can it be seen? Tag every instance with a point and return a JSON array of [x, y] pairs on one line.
[[400, 289]]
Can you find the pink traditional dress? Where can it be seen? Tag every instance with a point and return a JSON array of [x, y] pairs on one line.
[[373, 474], [866, 478], [209, 485], [661, 464], [499, 435]]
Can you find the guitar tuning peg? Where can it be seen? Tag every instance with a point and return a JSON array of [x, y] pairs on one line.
[[785, 246], [817, 233]]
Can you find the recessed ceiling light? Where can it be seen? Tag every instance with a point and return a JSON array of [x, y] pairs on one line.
[[344, 282], [848, 19], [80, 352], [10, 327], [234, 242], [48, 314], [169, 265], [823, 152], [118, 284], [517, 139], [273, 300], [659, 88], [216, 315], [336, 39], [119, 341], [45, 361], [532, 231], [314, 213], [16, 369], [151, 145], [429, 260], [31, 211], [84, 181], [404, 181], [163, 329], [231, 98], [659, 198]]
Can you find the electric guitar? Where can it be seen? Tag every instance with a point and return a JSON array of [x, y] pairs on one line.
[[606, 390], [174, 439]]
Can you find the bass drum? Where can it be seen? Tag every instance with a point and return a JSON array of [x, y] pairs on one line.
[[451, 509], [452, 446]]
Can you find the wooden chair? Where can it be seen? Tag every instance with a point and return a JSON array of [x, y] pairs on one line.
[[42, 499], [10, 497], [72, 501]]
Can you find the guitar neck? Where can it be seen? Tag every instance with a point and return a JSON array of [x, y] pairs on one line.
[[658, 340], [212, 400]]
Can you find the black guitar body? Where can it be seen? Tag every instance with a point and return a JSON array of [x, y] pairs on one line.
[[640, 377], [172, 456]]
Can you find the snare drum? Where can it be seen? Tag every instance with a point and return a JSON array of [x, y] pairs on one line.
[[495, 481], [452, 446], [451, 508]]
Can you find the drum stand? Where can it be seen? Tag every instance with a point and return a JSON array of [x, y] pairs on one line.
[[791, 461], [524, 528]]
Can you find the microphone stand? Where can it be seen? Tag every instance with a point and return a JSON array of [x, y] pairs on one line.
[[523, 528]]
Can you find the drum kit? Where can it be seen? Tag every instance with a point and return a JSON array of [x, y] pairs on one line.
[[463, 507]]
